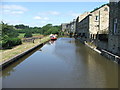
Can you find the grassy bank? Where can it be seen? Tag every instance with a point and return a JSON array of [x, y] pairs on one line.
[[21, 35], [9, 53]]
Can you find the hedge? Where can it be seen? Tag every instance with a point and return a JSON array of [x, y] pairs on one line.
[[10, 42]]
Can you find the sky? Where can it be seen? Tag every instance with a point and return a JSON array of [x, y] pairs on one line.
[[42, 13]]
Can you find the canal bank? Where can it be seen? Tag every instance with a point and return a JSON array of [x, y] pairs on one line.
[[105, 53], [8, 62]]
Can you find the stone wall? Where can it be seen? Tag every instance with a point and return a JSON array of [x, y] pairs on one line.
[[83, 27], [102, 45], [114, 29]]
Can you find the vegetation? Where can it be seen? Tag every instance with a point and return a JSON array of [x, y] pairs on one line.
[[21, 35], [9, 53], [9, 36], [28, 34], [12, 35], [45, 30], [10, 42]]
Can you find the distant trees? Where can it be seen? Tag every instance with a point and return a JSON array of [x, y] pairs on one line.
[[49, 29], [23, 29], [21, 26], [52, 30], [45, 30], [9, 33]]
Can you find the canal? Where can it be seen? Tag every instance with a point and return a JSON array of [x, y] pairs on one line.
[[65, 63]]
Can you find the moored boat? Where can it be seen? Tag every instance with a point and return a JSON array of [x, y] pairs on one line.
[[53, 37]]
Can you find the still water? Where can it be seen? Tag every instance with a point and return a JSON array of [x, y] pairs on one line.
[[65, 63]]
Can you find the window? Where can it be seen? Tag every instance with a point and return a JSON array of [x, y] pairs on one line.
[[115, 26], [97, 18], [106, 9]]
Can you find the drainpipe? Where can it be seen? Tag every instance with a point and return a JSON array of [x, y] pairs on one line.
[[98, 30], [99, 20]]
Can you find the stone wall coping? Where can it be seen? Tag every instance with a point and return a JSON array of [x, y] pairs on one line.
[[111, 54]]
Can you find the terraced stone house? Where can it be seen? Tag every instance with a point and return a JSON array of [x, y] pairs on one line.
[[96, 22]]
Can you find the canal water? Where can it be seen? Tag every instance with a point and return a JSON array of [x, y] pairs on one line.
[[65, 63]]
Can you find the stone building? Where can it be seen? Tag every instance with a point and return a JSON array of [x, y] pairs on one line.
[[83, 28], [80, 18], [114, 29], [64, 27], [96, 22], [69, 28], [73, 26]]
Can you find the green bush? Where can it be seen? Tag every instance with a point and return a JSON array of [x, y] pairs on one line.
[[10, 42], [28, 34]]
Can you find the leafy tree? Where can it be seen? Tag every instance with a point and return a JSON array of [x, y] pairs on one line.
[[46, 28], [9, 36], [28, 34], [54, 30], [9, 30]]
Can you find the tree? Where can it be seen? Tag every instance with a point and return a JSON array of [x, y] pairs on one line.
[[21, 26], [52, 30], [9, 36], [28, 34], [9, 30], [46, 28]]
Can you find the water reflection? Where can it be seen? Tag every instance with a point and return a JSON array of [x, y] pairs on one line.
[[65, 63], [10, 69]]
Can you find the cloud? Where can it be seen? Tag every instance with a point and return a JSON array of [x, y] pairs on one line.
[[45, 18], [37, 17], [75, 14], [57, 0], [53, 12], [13, 9], [12, 22], [72, 13], [49, 13], [17, 12], [41, 18]]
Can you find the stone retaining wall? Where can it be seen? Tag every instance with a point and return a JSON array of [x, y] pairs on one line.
[[111, 56]]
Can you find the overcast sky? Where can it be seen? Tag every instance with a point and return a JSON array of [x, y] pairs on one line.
[[42, 13]]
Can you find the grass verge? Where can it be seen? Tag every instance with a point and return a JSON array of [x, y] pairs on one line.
[[9, 53]]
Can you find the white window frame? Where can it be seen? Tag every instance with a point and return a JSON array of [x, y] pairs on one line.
[[115, 25]]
